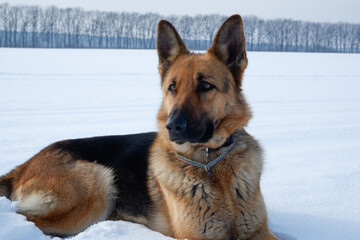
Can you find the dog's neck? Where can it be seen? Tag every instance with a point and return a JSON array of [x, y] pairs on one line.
[[205, 155]]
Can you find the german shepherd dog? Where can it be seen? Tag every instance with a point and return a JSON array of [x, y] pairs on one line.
[[198, 177]]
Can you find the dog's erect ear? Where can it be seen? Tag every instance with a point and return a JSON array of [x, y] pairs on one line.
[[229, 46], [169, 45]]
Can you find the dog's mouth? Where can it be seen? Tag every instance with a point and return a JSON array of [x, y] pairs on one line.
[[193, 135]]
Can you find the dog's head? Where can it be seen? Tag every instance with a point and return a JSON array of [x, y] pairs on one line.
[[202, 104]]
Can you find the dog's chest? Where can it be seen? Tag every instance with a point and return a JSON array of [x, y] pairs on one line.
[[211, 207]]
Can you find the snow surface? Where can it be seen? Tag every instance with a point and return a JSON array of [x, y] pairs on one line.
[[306, 115]]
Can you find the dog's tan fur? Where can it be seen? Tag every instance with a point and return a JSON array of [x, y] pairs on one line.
[[63, 194], [229, 202]]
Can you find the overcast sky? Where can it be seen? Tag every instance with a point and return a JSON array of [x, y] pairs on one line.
[[311, 10]]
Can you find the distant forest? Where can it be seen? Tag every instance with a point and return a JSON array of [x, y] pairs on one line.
[[53, 27]]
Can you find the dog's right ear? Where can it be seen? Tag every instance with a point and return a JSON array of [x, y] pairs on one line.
[[169, 45]]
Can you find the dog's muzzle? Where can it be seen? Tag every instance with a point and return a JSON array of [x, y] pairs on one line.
[[183, 129]]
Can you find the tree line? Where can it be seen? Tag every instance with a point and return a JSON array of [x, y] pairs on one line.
[[53, 27]]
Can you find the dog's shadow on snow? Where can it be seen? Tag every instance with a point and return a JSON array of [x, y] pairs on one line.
[[292, 226], [284, 236]]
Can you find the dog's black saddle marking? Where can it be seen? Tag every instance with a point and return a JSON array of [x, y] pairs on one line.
[[127, 155]]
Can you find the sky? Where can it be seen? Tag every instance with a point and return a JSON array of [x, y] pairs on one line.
[[308, 10]]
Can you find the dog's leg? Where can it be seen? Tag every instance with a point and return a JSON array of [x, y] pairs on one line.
[[68, 201]]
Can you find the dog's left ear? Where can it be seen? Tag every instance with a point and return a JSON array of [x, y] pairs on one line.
[[229, 46], [169, 45]]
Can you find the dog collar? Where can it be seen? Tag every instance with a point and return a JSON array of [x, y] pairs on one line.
[[227, 143], [213, 162]]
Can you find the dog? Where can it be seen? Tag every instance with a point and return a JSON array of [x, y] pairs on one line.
[[198, 177]]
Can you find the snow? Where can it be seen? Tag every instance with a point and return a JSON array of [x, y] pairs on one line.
[[306, 115], [115, 230], [15, 226]]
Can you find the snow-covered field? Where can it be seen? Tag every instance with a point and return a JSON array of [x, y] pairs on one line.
[[306, 115]]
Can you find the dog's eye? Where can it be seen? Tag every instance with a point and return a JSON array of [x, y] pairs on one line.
[[204, 86], [172, 88]]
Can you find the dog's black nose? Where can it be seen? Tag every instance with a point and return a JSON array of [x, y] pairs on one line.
[[177, 123]]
